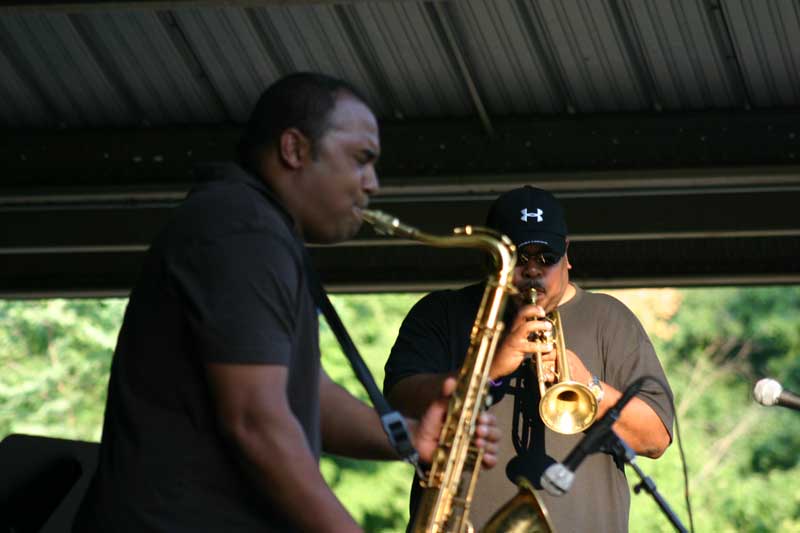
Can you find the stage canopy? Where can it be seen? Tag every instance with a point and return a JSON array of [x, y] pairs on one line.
[[669, 130]]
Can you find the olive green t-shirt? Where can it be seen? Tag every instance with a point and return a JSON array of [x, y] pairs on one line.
[[612, 344]]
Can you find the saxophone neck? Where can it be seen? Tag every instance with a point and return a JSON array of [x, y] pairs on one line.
[[499, 246]]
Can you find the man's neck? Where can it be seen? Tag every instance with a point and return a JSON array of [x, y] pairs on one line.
[[568, 295]]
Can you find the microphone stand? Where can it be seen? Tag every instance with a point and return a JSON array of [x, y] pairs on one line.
[[620, 449]]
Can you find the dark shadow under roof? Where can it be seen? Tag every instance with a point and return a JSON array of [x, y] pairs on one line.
[[668, 129]]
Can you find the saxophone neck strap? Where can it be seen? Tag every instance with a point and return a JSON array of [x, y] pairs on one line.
[[394, 424]]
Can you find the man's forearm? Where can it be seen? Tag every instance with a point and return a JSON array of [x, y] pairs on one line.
[[350, 427], [638, 425], [414, 394], [282, 465]]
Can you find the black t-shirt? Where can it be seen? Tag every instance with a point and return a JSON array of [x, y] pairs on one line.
[[611, 342], [224, 283]]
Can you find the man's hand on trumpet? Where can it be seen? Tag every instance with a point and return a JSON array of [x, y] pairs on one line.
[[525, 336]]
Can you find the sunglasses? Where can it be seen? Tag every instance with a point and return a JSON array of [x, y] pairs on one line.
[[542, 259]]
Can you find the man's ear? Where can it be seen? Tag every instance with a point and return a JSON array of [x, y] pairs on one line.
[[566, 249], [294, 148]]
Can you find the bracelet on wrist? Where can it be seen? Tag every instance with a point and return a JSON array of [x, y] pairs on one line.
[[596, 386]]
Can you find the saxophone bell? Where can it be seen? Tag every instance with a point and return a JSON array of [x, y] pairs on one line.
[[524, 512]]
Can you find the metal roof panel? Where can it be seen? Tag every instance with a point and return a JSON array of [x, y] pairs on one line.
[[588, 51], [766, 36], [506, 58], [189, 64], [316, 40], [229, 50], [686, 63], [140, 54], [407, 56], [22, 105], [56, 57]]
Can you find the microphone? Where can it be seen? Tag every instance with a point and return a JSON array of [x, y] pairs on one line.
[[557, 478], [769, 392]]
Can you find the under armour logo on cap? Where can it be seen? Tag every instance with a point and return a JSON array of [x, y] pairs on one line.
[[525, 215], [520, 215]]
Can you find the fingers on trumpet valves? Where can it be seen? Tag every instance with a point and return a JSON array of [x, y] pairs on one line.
[[541, 344], [541, 328]]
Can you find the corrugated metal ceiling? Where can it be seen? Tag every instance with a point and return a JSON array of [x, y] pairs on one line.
[[190, 65], [679, 114]]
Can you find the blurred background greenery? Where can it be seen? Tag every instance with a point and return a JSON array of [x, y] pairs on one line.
[[713, 342]]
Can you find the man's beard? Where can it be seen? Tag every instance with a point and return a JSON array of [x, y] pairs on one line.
[[537, 284], [522, 298]]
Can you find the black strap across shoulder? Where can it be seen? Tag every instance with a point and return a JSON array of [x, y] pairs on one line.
[[394, 424]]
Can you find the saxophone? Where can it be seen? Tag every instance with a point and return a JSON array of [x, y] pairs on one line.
[[448, 490]]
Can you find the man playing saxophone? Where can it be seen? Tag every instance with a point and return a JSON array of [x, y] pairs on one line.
[[606, 349], [218, 407]]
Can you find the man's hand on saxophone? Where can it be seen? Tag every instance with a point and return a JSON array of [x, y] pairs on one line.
[[425, 431]]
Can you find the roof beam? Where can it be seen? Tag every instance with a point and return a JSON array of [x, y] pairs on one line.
[[52, 224], [746, 234], [650, 263], [78, 209], [420, 150]]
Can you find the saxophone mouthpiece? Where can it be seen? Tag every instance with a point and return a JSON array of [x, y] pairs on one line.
[[386, 224]]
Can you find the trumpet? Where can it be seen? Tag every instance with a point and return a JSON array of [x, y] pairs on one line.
[[566, 406]]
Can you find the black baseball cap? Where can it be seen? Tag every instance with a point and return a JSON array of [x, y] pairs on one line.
[[530, 216]]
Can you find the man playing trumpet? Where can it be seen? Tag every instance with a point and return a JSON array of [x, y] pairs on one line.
[[606, 349]]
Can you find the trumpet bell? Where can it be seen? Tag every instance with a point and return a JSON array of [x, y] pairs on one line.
[[568, 407]]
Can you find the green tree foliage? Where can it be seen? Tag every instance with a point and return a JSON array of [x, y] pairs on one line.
[[714, 344], [741, 456], [375, 493], [55, 356]]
